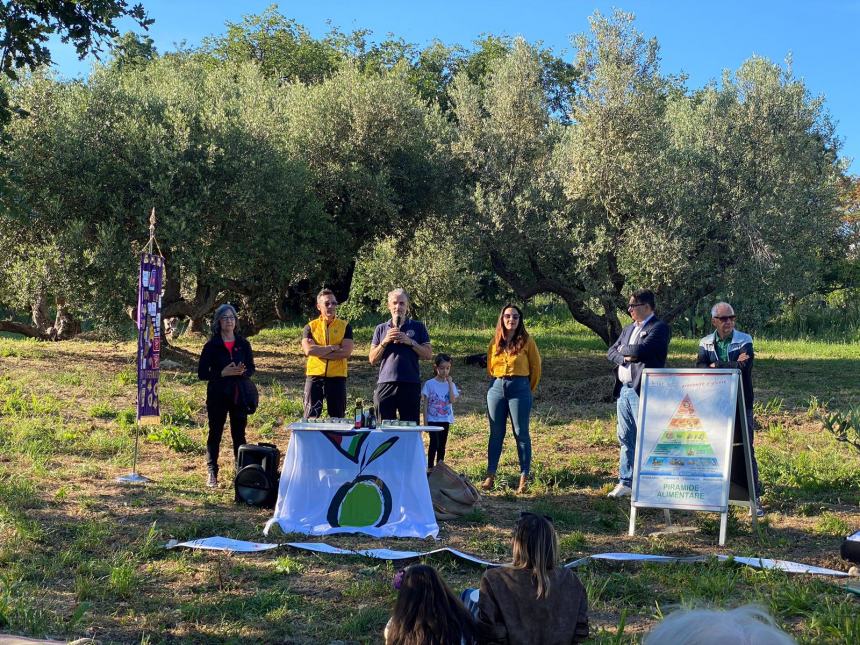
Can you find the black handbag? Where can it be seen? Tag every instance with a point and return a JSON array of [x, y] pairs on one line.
[[250, 396]]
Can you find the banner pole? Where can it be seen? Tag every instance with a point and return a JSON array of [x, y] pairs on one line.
[[149, 343]]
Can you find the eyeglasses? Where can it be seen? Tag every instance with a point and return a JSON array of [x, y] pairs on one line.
[[725, 318], [633, 305], [524, 514], [227, 319]]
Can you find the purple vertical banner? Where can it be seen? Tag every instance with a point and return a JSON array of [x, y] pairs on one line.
[[149, 338]]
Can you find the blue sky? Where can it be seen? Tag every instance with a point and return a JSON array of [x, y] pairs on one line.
[[699, 38]]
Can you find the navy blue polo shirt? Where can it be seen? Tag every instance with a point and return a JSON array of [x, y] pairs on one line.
[[399, 361]]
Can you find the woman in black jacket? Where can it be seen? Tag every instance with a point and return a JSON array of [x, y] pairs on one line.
[[226, 359]]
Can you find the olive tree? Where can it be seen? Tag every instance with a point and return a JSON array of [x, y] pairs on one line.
[[728, 189], [203, 146]]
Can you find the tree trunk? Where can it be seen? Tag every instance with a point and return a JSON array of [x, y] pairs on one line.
[[605, 325], [39, 310], [66, 326], [30, 331], [196, 326]]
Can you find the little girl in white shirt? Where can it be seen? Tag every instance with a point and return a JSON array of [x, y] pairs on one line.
[[437, 398]]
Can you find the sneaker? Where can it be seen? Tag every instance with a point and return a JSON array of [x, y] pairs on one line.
[[212, 482], [759, 511], [621, 490]]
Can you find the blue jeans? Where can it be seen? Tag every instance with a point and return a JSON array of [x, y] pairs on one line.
[[627, 408], [509, 396]]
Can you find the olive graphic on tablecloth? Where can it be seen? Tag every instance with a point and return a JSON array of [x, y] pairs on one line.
[[365, 501]]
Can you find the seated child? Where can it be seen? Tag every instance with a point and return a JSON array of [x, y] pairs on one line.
[[427, 612]]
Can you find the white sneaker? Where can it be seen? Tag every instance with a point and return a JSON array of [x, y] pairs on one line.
[[759, 511], [621, 490]]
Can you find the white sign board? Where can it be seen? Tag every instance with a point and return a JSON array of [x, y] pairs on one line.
[[684, 441], [683, 447]]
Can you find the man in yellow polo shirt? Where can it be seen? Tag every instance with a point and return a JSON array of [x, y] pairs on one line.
[[327, 342]]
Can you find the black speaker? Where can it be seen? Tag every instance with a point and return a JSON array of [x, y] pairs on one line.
[[266, 455], [256, 482], [850, 549]]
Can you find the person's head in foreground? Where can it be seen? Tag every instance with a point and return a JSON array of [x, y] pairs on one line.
[[747, 625], [427, 612], [535, 547]]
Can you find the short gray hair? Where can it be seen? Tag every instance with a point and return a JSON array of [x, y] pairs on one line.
[[398, 291], [716, 307], [747, 624]]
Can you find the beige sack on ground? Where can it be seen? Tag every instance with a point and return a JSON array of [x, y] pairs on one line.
[[453, 495]]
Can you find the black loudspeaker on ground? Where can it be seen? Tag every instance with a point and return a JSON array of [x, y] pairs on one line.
[[257, 476]]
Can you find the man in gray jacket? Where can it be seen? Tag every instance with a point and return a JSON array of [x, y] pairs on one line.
[[729, 348]]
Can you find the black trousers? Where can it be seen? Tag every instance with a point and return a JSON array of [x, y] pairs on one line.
[[217, 411], [330, 388], [438, 441], [398, 398]]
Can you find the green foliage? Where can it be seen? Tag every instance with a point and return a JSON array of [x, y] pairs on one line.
[[176, 439], [831, 524], [843, 425], [200, 143], [282, 48], [429, 266], [102, 410], [86, 24], [279, 162], [177, 408]]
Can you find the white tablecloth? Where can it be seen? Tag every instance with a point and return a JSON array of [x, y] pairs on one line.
[[372, 482]]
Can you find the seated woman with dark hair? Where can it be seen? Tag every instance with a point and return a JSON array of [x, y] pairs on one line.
[[533, 601], [427, 612]]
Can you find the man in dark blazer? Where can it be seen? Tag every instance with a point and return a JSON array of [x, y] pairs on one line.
[[644, 343]]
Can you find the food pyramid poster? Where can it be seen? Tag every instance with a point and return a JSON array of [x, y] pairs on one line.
[[683, 447]]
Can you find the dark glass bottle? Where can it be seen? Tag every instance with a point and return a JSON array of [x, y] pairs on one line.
[[359, 414]]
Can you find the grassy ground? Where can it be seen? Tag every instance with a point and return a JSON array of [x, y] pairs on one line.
[[80, 554]]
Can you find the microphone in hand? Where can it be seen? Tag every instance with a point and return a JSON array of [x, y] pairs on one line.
[[397, 321]]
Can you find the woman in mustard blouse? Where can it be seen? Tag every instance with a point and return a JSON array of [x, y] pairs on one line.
[[513, 363]]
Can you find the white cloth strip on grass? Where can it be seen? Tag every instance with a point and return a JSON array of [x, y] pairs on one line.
[[219, 543], [785, 565]]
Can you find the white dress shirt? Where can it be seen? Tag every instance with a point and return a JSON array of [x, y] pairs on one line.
[[625, 373]]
